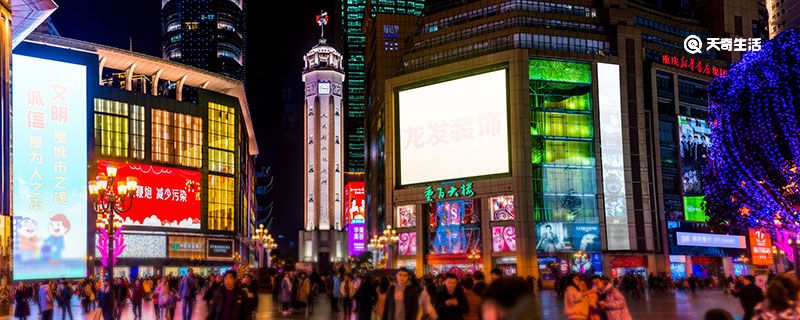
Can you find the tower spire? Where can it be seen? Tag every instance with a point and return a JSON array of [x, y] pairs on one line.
[[322, 20]]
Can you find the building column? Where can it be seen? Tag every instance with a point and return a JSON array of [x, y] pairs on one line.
[[179, 88], [129, 77], [154, 82], [100, 67]]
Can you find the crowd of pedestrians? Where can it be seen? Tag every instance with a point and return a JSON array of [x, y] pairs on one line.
[[226, 296]]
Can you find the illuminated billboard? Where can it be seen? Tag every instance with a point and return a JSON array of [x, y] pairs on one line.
[[553, 237], [504, 239], [49, 171], [454, 129], [695, 139], [710, 240], [354, 218], [502, 208], [407, 245], [760, 247], [406, 216], [454, 228], [165, 197]]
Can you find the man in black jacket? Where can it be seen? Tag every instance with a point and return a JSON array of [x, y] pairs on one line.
[[402, 299], [451, 302], [749, 295], [228, 301]]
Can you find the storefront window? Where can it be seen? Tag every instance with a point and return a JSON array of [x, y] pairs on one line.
[[177, 138], [220, 203], [221, 138]]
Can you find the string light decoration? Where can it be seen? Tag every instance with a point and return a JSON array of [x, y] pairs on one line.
[[753, 172]]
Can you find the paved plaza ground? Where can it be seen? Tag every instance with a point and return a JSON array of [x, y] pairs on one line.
[[667, 306]]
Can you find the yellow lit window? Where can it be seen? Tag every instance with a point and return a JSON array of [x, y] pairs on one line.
[[119, 129], [220, 203], [177, 138], [221, 138]]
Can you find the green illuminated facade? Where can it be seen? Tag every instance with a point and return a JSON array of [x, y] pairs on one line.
[[562, 132], [354, 43]]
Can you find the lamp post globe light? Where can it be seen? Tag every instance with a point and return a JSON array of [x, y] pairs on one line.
[[265, 239], [389, 238], [375, 246], [474, 255], [111, 198]]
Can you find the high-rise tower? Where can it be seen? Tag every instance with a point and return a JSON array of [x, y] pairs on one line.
[[322, 239]]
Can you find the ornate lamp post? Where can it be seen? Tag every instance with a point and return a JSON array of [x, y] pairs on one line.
[[777, 254], [111, 198], [474, 255], [375, 246], [265, 239], [389, 238]]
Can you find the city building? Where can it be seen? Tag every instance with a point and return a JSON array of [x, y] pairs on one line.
[[563, 171], [783, 15], [322, 240], [206, 34], [192, 151], [353, 44]]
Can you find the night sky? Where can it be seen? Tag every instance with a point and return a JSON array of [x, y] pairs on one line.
[[277, 40]]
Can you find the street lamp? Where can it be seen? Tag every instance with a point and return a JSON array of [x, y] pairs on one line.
[[111, 198], [474, 255], [389, 238], [777, 254], [375, 246], [263, 237]]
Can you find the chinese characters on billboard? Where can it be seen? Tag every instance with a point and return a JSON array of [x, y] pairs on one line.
[[166, 197], [355, 217], [760, 247], [49, 172], [502, 208], [504, 239], [406, 217], [408, 244], [695, 141], [454, 228]]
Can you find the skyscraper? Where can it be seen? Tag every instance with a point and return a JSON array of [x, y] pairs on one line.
[[783, 14], [322, 239], [207, 34], [354, 44]]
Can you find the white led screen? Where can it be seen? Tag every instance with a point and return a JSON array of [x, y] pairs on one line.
[[454, 129]]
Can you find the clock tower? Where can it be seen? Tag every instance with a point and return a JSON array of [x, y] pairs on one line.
[[322, 240]]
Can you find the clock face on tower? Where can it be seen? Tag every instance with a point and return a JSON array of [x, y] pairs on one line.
[[324, 88]]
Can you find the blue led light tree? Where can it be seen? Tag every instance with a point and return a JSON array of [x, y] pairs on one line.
[[753, 176]]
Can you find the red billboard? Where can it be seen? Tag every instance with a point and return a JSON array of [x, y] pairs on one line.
[[354, 205], [760, 248], [165, 197]]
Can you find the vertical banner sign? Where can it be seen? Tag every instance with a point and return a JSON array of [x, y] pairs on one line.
[[354, 217], [613, 164], [760, 247], [49, 171]]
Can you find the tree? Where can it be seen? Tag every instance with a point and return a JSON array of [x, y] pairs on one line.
[[751, 180]]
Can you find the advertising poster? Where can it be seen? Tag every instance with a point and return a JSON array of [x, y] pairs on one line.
[[695, 140], [408, 244], [49, 172], [553, 237], [356, 239], [586, 237], [454, 228], [354, 203], [504, 239], [502, 208], [219, 249], [406, 216], [591, 264], [143, 246], [165, 197], [760, 247]]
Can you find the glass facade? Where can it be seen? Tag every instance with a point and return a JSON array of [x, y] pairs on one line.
[[221, 203], [563, 157], [119, 129], [221, 138], [354, 41], [177, 139]]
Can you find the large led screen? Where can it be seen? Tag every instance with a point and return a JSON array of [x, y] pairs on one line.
[[49, 172], [695, 138], [166, 197], [454, 129], [454, 228]]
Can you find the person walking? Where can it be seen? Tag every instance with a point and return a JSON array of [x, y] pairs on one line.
[[120, 297], [227, 301], [46, 302], [212, 289], [380, 304], [188, 294], [337, 292], [105, 298], [348, 290], [250, 292], [286, 293], [167, 300], [781, 302], [365, 298], [22, 310], [450, 302], [611, 300], [749, 295], [137, 295], [576, 304], [64, 298], [304, 291], [473, 299], [402, 299], [159, 290], [480, 283]]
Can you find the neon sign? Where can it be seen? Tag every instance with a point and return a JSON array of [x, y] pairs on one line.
[[442, 192], [692, 64]]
